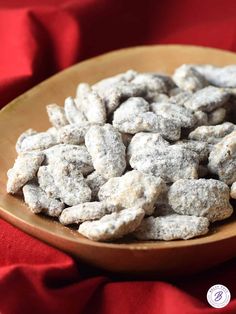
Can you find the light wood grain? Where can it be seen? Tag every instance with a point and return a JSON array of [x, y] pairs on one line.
[[28, 111]]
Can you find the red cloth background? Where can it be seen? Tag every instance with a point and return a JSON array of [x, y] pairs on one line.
[[39, 38]]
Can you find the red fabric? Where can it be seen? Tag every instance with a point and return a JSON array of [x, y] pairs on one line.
[[39, 38]]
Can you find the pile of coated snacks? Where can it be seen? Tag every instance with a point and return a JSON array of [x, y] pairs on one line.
[[143, 154]]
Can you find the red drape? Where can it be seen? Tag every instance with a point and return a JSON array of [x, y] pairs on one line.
[[39, 38]]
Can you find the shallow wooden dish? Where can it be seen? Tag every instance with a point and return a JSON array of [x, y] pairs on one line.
[[28, 110]]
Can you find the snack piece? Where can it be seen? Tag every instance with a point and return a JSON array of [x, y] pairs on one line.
[[180, 98], [169, 83], [128, 110], [144, 141], [170, 162], [22, 137], [38, 141], [113, 226], [203, 197], [222, 77], [105, 145], [222, 159], [39, 202], [171, 227], [233, 190], [46, 181], [95, 181], [130, 107], [150, 122], [83, 212], [71, 184], [207, 99], [133, 189], [217, 116], [202, 149], [56, 115], [159, 97], [201, 118], [151, 84], [75, 154], [212, 134], [188, 78], [72, 134], [24, 169], [178, 114], [118, 93], [112, 81], [90, 104], [73, 114]]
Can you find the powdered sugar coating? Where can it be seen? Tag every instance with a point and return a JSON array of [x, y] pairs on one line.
[[56, 115], [91, 104], [149, 122], [22, 137], [130, 107], [84, 212], [218, 76], [38, 141], [188, 78], [75, 154], [112, 81], [207, 99], [202, 149], [170, 162], [133, 189], [95, 181], [204, 197], [24, 169], [171, 227], [178, 114], [145, 142], [71, 184], [105, 145], [39, 202], [117, 93], [180, 98], [73, 114], [113, 226], [72, 134], [46, 181], [212, 134], [151, 84], [222, 159]]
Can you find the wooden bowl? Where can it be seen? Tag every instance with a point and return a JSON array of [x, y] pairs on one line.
[[28, 110]]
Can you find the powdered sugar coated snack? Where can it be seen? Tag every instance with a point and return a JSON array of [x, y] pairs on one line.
[[172, 227], [202, 197], [147, 155], [113, 226]]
